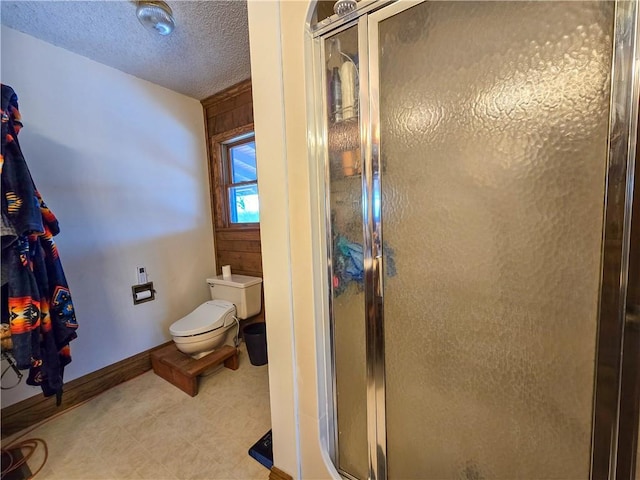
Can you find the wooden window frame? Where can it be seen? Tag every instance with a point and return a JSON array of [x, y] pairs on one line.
[[220, 170], [227, 176]]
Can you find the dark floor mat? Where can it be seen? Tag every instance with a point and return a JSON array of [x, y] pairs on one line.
[[19, 473], [262, 451]]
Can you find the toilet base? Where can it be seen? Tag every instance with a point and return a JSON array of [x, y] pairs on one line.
[[198, 356], [182, 370]]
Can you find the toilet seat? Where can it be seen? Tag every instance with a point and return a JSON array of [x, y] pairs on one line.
[[209, 316]]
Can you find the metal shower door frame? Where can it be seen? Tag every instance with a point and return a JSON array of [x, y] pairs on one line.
[[613, 321]]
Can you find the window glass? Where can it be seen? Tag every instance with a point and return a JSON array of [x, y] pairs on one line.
[[244, 206], [243, 162]]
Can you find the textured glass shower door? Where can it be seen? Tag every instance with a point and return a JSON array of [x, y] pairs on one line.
[[493, 131], [344, 182]]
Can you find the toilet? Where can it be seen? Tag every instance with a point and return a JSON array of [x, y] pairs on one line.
[[216, 322]]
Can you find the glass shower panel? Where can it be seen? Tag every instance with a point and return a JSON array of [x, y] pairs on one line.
[[493, 148], [347, 263]]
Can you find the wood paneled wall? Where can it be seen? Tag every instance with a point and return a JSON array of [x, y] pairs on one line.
[[228, 114], [229, 109]]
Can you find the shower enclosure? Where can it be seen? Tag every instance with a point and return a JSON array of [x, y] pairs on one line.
[[478, 163]]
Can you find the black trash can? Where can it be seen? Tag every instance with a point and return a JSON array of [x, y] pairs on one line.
[[255, 336]]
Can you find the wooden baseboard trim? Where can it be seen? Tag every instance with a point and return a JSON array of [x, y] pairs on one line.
[[277, 474], [35, 409]]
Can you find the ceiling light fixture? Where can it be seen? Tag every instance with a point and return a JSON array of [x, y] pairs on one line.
[[156, 16], [342, 7]]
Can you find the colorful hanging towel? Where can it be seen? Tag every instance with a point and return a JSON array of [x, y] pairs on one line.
[[40, 311]]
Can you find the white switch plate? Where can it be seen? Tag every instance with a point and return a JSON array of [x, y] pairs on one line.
[[141, 275]]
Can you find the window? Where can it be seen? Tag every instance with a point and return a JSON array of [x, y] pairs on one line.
[[241, 180]]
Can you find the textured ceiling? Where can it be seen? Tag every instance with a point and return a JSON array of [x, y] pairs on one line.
[[207, 52]]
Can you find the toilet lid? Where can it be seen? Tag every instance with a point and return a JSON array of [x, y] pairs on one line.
[[208, 316]]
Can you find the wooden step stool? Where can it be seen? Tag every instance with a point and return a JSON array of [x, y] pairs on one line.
[[182, 370]]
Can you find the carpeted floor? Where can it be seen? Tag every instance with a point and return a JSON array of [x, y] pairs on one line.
[[148, 429]]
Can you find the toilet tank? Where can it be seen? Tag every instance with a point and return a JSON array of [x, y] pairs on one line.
[[243, 291]]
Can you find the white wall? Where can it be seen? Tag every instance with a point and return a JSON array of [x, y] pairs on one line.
[[269, 121], [122, 163], [289, 227]]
